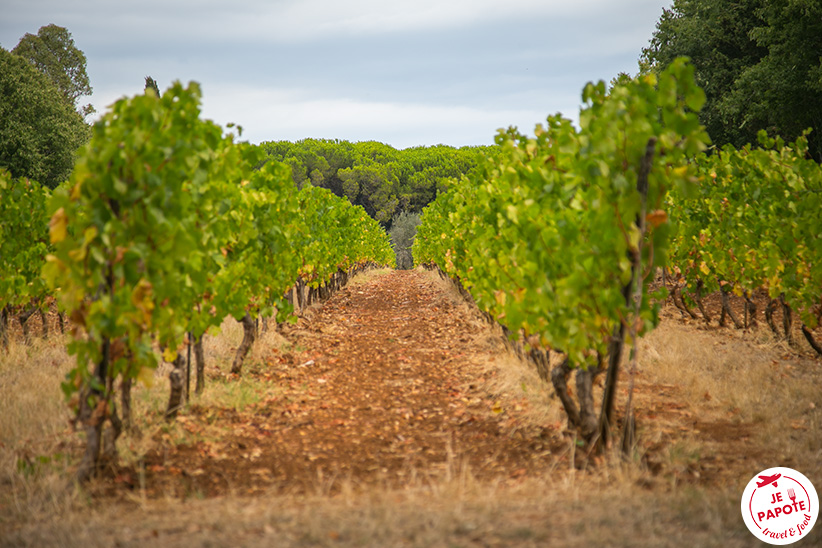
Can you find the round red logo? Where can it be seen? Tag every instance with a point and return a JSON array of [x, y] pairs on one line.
[[780, 506]]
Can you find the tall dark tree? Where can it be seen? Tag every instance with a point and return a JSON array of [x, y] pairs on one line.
[[373, 186], [783, 92], [39, 129], [52, 52], [759, 62], [715, 34], [403, 229]]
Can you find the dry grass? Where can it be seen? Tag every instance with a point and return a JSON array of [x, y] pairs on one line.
[[25, 371], [368, 276], [565, 511], [745, 377], [34, 428], [38, 448]]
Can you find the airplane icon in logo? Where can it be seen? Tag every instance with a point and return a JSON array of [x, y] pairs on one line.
[[767, 480]]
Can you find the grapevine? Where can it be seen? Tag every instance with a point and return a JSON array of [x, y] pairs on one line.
[[165, 228], [547, 237], [754, 224], [23, 245]]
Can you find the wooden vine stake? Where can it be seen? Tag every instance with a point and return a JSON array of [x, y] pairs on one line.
[[633, 298]]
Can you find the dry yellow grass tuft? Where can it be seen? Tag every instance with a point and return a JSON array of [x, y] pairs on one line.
[[564, 511], [35, 436], [32, 407]]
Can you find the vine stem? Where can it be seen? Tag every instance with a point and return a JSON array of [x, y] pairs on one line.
[[629, 292], [637, 286], [188, 366]]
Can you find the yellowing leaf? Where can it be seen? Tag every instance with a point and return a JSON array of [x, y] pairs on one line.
[[57, 226], [703, 267], [141, 298], [169, 355], [511, 210], [89, 234]]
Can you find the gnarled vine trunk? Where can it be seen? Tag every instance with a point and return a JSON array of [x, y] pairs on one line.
[[581, 417], [750, 311], [811, 340], [125, 401], [177, 381], [602, 434], [101, 448], [772, 304], [4, 326], [24, 318], [199, 358], [726, 308], [684, 306], [559, 378], [249, 334], [699, 286], [45, 323], [787, 319]]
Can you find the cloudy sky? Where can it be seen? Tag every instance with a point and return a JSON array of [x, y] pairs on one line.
[[404, 72]]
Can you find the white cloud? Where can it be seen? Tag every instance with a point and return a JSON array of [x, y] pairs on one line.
[[290, 21], [312, 18], [303, 20], [294, 114]]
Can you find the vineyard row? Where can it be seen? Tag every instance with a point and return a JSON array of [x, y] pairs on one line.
[[558, 238], [166, 227]]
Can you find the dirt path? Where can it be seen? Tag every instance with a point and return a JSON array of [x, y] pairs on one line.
[[382, 387]]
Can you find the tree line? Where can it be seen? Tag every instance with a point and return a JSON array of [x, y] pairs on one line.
[[384, 180]]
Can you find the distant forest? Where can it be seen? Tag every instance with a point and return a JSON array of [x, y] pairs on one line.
[[384, 180]]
